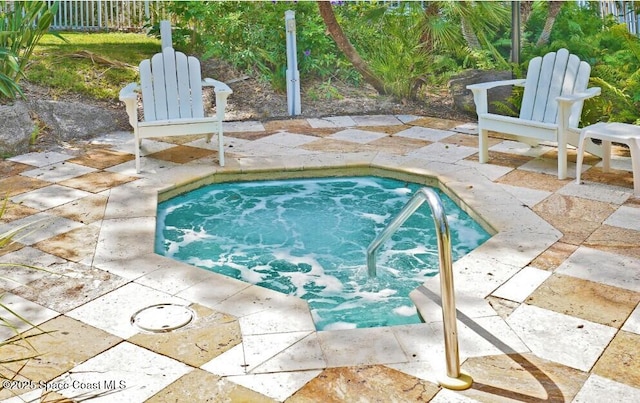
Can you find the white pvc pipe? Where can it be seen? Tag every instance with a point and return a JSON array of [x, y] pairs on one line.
[[293, 75]]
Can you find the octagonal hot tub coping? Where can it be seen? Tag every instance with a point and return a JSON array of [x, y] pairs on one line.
[[326, 172], [519, 236]]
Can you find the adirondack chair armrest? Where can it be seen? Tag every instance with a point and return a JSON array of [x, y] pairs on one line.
[[129, 96], [480, 92], [222, 92], [493, 84], [218, 86], [565, 104], [129, 91], [579, 96]]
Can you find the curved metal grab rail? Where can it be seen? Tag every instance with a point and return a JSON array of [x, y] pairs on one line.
[[455, 380]]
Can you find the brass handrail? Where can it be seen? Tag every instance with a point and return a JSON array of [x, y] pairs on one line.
[[454, 379]]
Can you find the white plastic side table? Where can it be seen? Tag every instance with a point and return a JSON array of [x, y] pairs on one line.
[[613, 132]]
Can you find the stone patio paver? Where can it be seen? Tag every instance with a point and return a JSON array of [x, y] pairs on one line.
[[621, 241], [32, 312], [351, 383], [603, 267], [197, 383], [97, 182], [424, 133], [208, 335], [136, 372], [101, 158], [58, 172], [61, 344], [70, 286], [77, 245], [37, 159], [621, 360], [521, 377], [595, 302], [112, 312], [48, 197], [577, 343]]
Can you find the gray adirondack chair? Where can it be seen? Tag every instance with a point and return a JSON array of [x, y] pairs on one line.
[[554, 92], [171, 89]]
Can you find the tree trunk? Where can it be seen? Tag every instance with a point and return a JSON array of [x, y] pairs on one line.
[[431, 10], [525, 13], [336, 32], [469, 34], [554, 10]]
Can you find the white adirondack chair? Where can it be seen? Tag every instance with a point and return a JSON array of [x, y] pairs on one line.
[[554, 92], [171, 88]]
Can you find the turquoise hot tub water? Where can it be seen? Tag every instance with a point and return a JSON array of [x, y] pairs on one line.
[[309, 237]]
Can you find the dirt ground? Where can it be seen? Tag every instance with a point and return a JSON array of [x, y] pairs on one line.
[[256, 100], [253, 99]]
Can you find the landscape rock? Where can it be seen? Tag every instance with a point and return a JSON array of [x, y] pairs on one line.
[[74, 120], [62, 121], [463, 98], [16, 128]]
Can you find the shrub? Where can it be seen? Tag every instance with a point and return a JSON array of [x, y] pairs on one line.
[[252, 37], [22, 24], [8, 86], [396, 54]]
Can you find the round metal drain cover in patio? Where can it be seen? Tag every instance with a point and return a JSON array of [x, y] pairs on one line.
[[162, 317]]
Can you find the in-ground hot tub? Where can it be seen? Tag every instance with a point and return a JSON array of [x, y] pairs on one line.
[[308, 237]]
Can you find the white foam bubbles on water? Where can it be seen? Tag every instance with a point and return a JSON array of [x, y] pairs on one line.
[[196, 261], [188, 236], [402, 191], [340, 326], [405, 310], [376, 295], [377, 218], [468, 237], [251, 275], [260, 205], [317, 274]]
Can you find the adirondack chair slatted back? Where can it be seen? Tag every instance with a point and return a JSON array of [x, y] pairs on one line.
[[556, 74], [171, 85]]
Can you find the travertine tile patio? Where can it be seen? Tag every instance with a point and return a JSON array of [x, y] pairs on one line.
[[548, 307]]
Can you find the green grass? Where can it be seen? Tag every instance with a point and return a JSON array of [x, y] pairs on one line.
[[92, 64]]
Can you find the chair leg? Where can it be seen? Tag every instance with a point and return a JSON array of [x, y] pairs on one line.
[[138, 143], [634, 149], [562, 152], [562, 161], [580, 157], [221, 147], [483, 145], [606, 156]]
